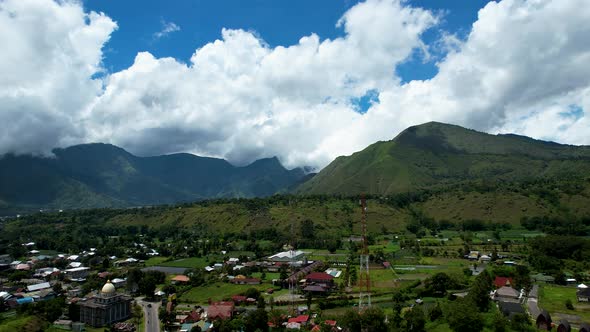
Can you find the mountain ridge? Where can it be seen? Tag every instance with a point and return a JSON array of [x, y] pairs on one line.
[[435, 154], [104, 175]]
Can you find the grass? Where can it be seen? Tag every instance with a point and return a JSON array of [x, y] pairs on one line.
[[269, 276], [14, 324], [552, 298], [153, 261], [191, 262], [217, 292]]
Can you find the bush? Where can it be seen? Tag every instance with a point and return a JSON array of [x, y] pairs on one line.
[[569, 304]]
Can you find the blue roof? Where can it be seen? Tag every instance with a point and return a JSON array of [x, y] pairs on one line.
[[186, 326], [24, 300]]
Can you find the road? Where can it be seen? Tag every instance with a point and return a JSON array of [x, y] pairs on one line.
[[150, 316], [532, 303]]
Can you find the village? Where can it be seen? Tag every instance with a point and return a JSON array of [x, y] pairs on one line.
[[294, 289]]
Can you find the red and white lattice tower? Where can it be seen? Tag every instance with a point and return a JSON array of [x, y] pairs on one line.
[[364, 278]]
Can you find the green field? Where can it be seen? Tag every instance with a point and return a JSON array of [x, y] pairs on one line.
[[21, 324], [552, 298], [217, 292], [191, 262], [153, 261]]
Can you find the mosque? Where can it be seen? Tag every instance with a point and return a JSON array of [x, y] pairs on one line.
[[105, 308]]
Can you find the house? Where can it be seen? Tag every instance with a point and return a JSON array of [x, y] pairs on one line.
[[485, 258], [221, 310], [73, 258], [238, 299], [118, 282], [233, 261], [473, 255], [330, 323], [503, 281], [543, 321], [509, 309], [564, 326], [77, 272], [506, 293], [75, 264], [319, 278], [315, 289], [5, 259], [38, 287], [180, 279], [23, 267], [46, 272], [191, 317], [583, 295], [287, 256], [295, 323], [245, 281]]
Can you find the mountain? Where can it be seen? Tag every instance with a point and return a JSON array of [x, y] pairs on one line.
[[103, 175], [436, 155]]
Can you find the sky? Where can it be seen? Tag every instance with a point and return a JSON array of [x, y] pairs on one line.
[[305, 81]]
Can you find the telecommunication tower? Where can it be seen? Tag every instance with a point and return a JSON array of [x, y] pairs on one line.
[[292, 279], [364, 279]]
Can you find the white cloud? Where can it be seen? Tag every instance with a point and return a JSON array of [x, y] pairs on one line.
[[50, 52], [521, 69], [167, 28]]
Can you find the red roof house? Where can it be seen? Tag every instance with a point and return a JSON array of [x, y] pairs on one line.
[[301, 319], [181, 278], [319, 277], [238, 299], [222, 310], [503, 281]]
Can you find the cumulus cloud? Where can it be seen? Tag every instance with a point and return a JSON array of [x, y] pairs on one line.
[[50, 53], [523, 68], [167, 28]]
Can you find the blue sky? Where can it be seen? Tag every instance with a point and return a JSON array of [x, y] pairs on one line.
[[276, 22], [244, 80]]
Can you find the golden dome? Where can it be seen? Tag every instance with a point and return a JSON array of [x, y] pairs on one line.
[[108, 288]]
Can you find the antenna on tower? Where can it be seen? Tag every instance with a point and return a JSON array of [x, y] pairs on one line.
[[292, 280], [364, 279]]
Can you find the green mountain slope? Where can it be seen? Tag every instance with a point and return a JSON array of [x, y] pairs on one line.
[[436, 155], [103, 175]]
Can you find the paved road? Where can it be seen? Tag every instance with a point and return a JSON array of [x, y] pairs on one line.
[[150, 316], [532, 302]]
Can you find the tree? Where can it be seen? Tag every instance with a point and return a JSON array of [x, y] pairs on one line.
[[134, 276], [415, 320], [435, 312], [500, 322], [307, 229], [479, 291], [147, 286], [253, 293], [106, 263], [256, 319], [521, 323], [283, 272], [522, 278], [438, 284], [463, 316], [351, 320], [373, 319]]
